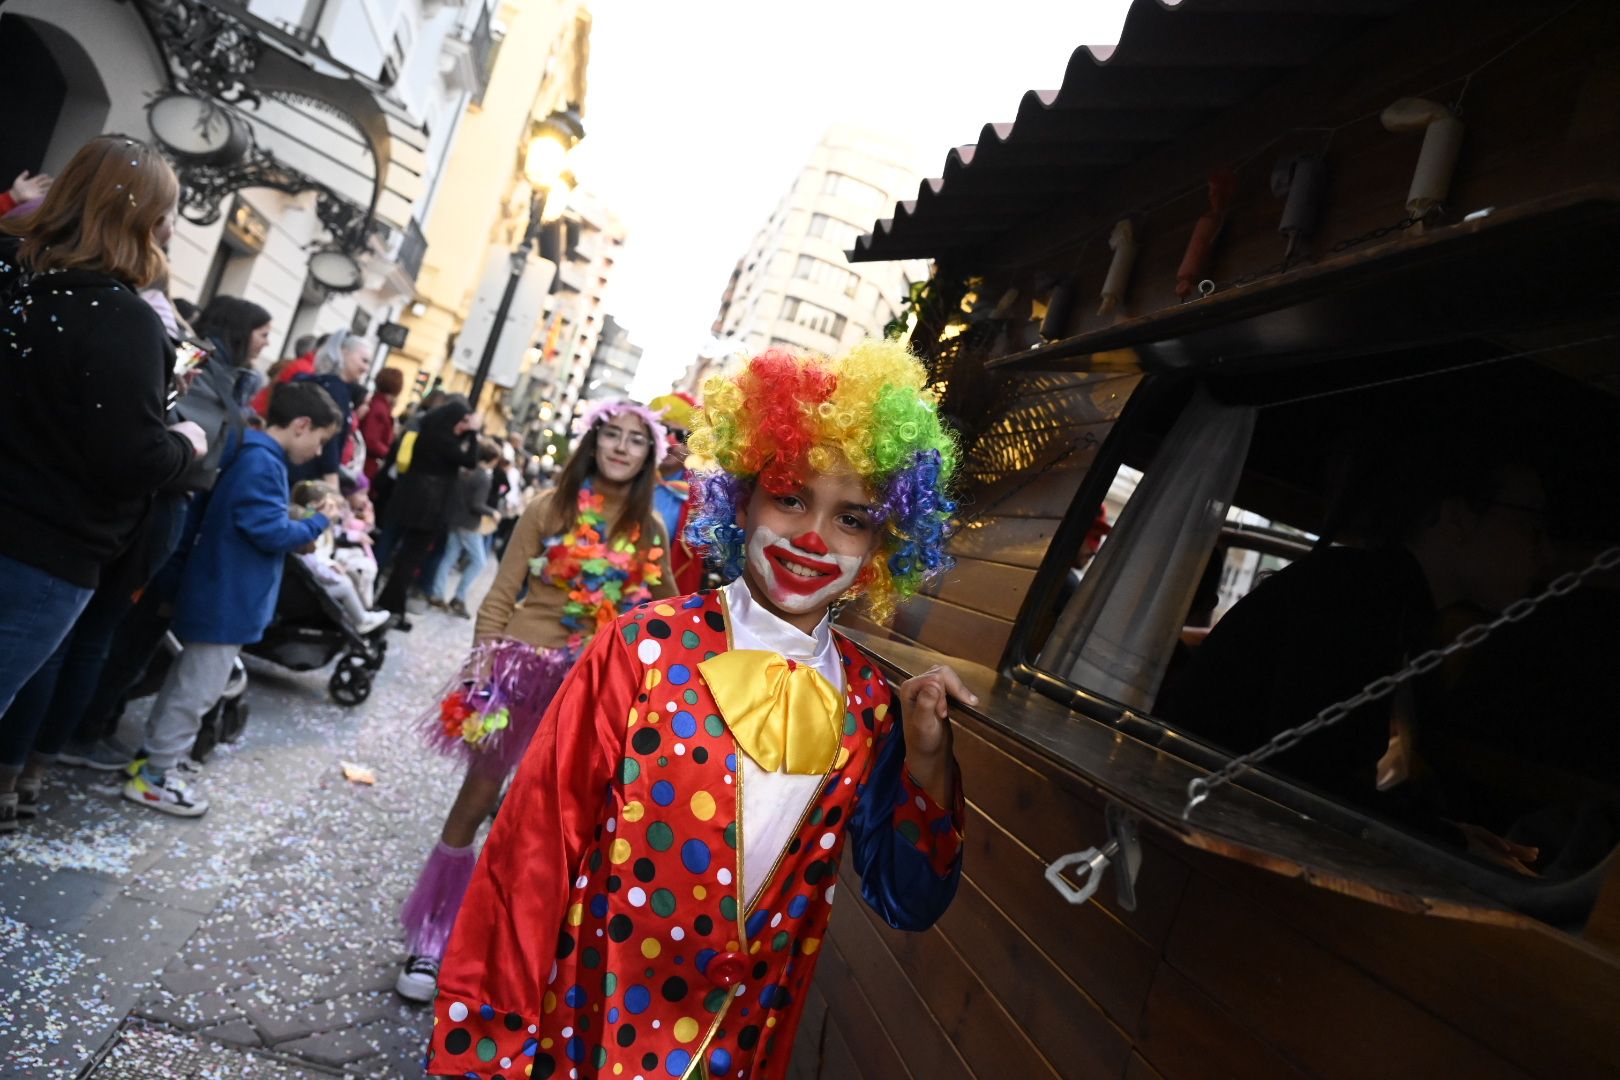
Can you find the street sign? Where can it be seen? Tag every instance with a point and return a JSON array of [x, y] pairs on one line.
[[528, 303], [393, 335]]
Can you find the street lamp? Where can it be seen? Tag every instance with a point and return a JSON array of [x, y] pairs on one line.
[[544, 158]]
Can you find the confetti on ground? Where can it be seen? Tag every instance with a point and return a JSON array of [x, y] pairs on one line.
[[260, 940], [45, 992], [143, 1051]]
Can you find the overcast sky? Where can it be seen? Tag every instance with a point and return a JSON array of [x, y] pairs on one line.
[[700, 115]]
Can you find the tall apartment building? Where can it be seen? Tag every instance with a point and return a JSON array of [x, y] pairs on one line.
[[556, 370], [794, 287], [613, 364]]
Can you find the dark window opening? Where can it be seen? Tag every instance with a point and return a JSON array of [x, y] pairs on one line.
[[1366, 516]]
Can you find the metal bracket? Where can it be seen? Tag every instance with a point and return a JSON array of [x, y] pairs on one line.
[[1123, 844]]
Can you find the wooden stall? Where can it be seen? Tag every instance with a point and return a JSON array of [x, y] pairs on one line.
[[1129, 239]]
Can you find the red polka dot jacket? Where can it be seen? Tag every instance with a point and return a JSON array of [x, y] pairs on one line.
[[605, 933]]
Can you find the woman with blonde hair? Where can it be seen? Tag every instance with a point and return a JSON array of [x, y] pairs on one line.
[[83, 439]]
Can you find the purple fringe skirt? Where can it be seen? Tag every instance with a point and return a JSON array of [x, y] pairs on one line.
[[489, 711], [429, 913]]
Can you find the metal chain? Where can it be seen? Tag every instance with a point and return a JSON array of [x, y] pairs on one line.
[[1199, 789]]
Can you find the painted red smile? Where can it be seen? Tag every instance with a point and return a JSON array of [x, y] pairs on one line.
[[796, 574]]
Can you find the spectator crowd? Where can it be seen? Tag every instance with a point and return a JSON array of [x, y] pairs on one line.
[[165, 482]]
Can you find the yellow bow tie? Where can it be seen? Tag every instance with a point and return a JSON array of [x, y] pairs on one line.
[[778, 711]]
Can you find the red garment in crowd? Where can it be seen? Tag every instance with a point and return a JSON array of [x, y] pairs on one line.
[[377, 429], [304, 365], [7, 203], [684, 559]]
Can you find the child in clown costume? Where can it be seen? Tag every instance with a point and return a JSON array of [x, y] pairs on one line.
[[652, 899], [588, 550]]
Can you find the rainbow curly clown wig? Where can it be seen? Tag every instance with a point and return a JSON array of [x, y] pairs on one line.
[[783, 416]]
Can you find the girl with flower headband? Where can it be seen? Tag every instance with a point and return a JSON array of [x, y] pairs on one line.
[[653, 897], [588, 550]]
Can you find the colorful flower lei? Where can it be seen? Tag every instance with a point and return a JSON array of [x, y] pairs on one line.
[[603, 578], [465, 719]]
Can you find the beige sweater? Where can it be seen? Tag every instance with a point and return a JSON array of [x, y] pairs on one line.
[[537, 619]]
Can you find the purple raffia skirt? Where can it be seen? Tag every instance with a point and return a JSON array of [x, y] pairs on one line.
[[492, 707]]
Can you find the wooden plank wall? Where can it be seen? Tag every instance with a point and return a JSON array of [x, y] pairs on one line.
[[1225, 970], [1020, 475]]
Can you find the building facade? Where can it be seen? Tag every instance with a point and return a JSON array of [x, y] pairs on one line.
[[343, 112], [556, 369], [613, 364], [481, 210], [794, 287]]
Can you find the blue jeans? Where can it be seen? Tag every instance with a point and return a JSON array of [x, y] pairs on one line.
[[36, 614], [430, 564], [459, 541], [54, 702]]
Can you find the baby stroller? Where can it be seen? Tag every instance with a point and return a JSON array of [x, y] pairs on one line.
[[308, 630]]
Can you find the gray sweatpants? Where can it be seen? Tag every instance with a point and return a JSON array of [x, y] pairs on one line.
[[195, 681]]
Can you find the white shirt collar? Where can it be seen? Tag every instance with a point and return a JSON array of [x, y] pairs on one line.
[[753, 627]]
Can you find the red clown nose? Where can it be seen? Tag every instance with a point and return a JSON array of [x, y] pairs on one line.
[[811, 542]]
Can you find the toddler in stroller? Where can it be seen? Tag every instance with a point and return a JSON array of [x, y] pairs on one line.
[[319, 614], [309, 628], [319, 560]]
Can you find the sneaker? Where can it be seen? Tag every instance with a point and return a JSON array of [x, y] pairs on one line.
[[372, 620], [189, 770], [103, 756], [419, 980], [8, 824], [459, 609], [399, 621], [171, 795], [27, 800], [436, 603]]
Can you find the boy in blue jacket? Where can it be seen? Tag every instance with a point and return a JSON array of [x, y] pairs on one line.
[[228, 591]]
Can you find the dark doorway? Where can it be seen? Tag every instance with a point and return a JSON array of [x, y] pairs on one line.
[[33, 89]]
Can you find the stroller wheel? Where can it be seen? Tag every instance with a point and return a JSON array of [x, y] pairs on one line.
[[233, 718], [351, 682], [208, 735], [379, 653]]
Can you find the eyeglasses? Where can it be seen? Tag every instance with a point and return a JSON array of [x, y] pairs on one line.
[[635, 440]]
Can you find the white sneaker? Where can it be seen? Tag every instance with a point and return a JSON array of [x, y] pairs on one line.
[[371, 620], [171, 795], [419, 980]]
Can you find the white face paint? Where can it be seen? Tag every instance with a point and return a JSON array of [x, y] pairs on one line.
[[798, 581]]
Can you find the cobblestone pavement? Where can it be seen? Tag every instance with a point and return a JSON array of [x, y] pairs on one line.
[[259, 940]]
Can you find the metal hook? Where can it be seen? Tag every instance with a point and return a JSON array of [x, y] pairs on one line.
[[1095, 860], [1206, 287], [1122, 844], [1197, 792]]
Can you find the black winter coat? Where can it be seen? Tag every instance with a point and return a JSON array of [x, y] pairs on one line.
[[84, 365], [420, 499]]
